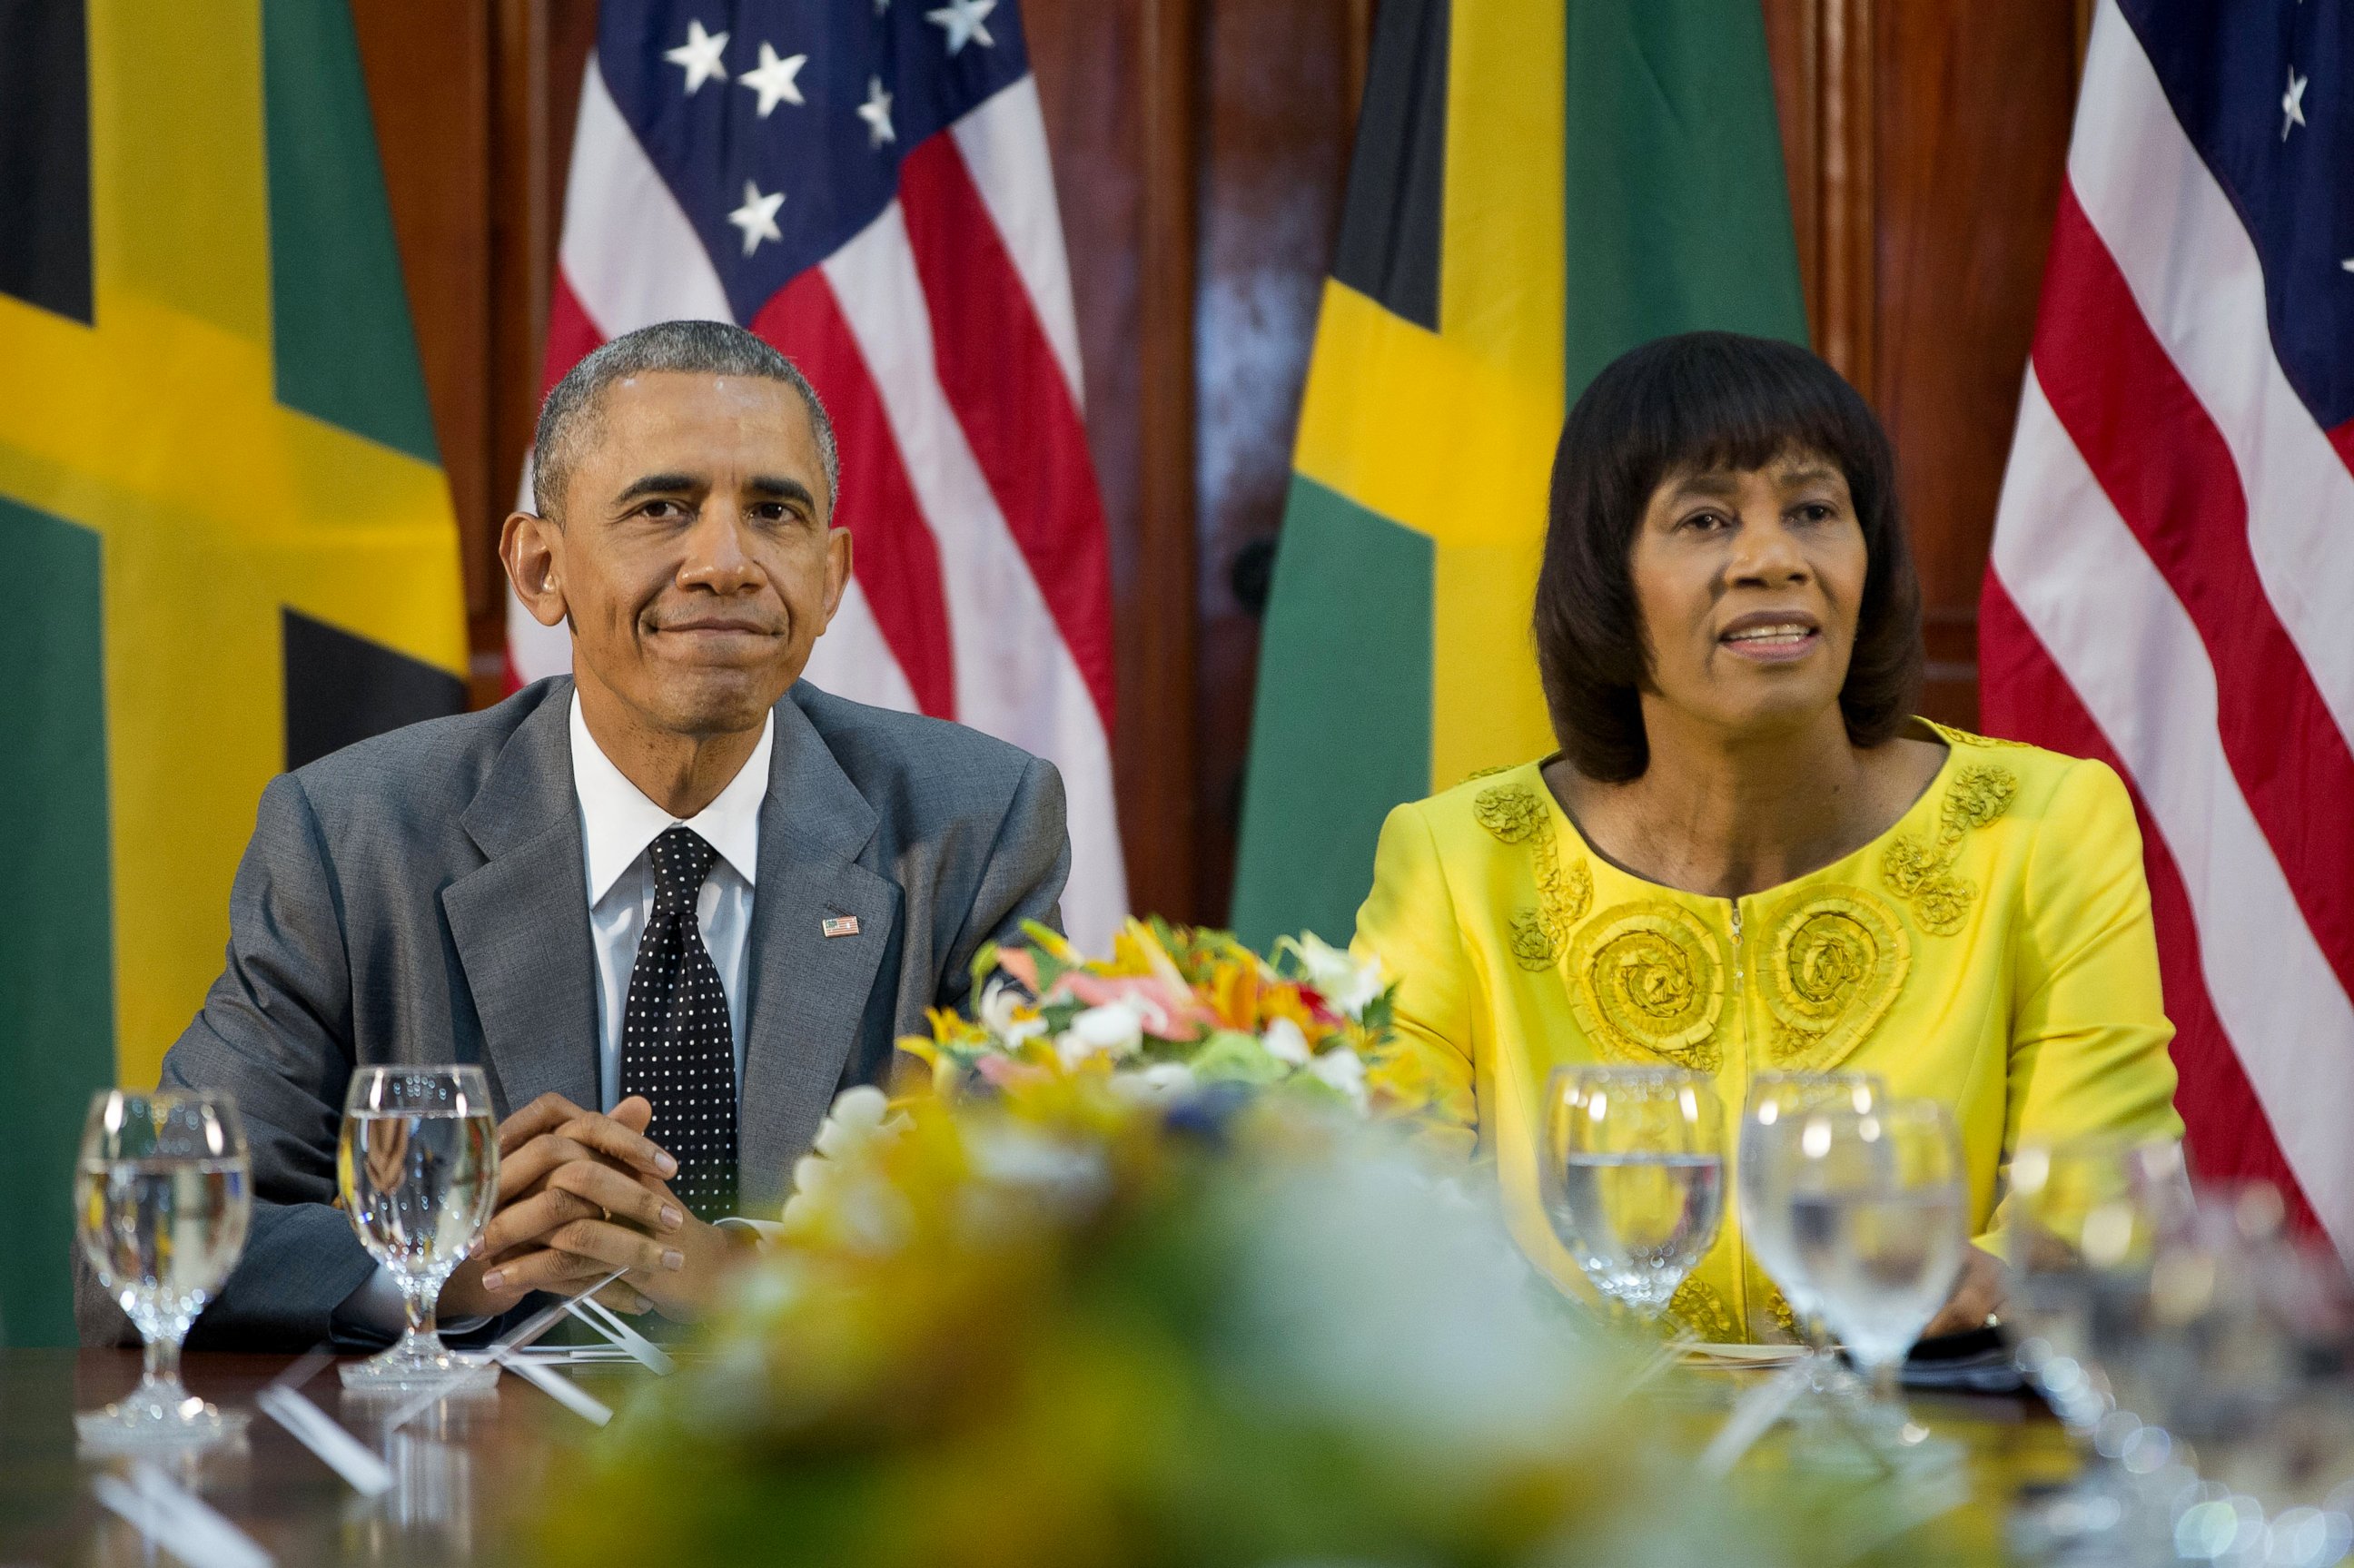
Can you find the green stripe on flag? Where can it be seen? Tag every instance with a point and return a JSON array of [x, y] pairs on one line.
[[1341, 729], [1677, 216], [344, 350], [56, 986]]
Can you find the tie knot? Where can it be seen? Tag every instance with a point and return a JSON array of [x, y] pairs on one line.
[[680, 858]]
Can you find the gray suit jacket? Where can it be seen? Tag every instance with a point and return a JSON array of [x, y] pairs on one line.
[[421, 898]]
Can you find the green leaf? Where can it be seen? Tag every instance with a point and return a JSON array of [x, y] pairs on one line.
[[1231, 1057]]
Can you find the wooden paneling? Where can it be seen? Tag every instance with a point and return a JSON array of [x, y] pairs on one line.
[[1117, 86], [1279, 100], [1973, 107]]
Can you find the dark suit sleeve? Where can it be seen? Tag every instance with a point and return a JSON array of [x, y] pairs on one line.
[[275, 1032], [1022, 880]]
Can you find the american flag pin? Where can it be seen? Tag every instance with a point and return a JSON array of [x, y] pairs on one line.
[[841, 925]]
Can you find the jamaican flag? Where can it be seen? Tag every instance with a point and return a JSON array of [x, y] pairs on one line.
[[1537, 186], [225, 536]]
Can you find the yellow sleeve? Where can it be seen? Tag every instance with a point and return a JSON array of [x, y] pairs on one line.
[[1409, 923], [2088, 1030]]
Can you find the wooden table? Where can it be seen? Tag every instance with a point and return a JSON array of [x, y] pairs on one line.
[[463, 1470], [466, 1470]]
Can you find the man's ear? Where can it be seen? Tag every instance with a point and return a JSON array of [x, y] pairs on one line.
[[837, 571], [531, 550]]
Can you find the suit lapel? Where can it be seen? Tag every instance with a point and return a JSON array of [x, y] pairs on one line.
[[521, 921], [810, 992]]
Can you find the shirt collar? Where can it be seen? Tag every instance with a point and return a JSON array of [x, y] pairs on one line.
[[618, 821]]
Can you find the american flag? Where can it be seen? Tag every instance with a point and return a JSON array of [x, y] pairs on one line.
[[865, 184], [2172, 587]]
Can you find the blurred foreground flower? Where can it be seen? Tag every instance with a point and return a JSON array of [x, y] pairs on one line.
[[1130, 1280]]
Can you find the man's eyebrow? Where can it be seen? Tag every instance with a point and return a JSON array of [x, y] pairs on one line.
[[773, 488], [658, 485]]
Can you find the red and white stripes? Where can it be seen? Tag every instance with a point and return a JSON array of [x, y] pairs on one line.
[[943, 342], [2169, 590]]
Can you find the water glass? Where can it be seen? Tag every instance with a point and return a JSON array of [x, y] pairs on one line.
[[1877, 1215], [1633, 1176], [163, 1198], [1760, 1178], [2085, 1218], [418, 1167]]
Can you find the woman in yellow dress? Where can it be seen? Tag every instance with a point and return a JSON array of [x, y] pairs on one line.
[[1747, 855]]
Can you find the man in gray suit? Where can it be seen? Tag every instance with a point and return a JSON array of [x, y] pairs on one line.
[[672, 906]]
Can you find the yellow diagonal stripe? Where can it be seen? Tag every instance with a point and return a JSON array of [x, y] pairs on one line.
[[1452, 432], [158, 428]]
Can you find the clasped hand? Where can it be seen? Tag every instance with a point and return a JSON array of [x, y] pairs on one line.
[[581, 1195]]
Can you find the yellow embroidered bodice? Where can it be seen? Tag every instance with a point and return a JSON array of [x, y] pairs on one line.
[[1992, 950]]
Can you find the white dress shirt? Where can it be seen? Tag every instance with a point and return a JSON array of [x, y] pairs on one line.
[[618, 823]]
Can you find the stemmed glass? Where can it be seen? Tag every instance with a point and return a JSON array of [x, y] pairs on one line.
[[2085, 1218], [1633, 1178], [163, 1196], [418, 1170], [1760, 1182], [1877, 1215]]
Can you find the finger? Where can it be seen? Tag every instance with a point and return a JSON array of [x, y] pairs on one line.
[[609, 1137], [543, 1268], [550, 1111], [636, 1113], [530, 1221], [618, 1246], [1968, 1309], [623, 1297], [618, 1196], [521, 1174]]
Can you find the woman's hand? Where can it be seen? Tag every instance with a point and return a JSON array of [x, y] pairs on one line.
[[1978, 1294]]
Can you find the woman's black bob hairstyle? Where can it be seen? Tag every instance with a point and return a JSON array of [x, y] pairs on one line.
[[1704, 400]]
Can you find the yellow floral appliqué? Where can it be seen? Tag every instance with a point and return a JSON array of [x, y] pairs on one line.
[[1923, 873], [1835, 960], [1646, 980], [1515, 815], [1702, 1309]]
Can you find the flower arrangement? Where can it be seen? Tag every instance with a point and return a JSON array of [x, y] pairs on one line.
[[1062, 1327], [1059, 1307], [1172, 1009]]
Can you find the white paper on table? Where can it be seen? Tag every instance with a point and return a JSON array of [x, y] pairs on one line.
[[562, 1390], [611, 1324], [177, 1521], [1754, 1415], [342, 1453]]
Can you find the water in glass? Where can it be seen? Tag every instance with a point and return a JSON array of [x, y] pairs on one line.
[[418, 1167], [1634, 1177], [1882, 1263], [1641, 1220], [1877, 1219], [163, 1198], [1761, 1175]]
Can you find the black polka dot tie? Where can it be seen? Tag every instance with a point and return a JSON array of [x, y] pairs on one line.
[[675, 1045]]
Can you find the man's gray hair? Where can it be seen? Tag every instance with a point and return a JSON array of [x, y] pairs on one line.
[[569, 416]]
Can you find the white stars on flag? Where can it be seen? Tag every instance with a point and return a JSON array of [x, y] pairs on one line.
[[2293, 101], [758, 216], [774, 81], [877, 112], [699, 57], [963, 21]]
